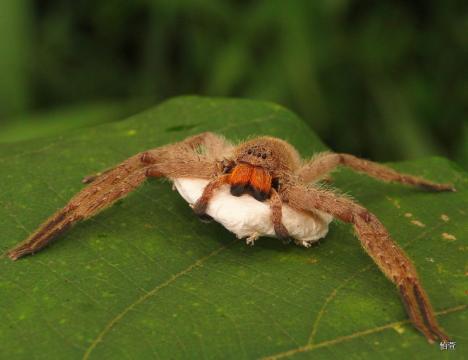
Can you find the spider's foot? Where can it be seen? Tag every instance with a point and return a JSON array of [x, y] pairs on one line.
[[438, 187], [419, 310], [205, 218], [447, 187], [252, 238], [304, 243], [286, 240], [19, 252], [199, 208], [282, 233]]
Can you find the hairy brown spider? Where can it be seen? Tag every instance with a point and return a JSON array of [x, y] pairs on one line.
[[267, 172]]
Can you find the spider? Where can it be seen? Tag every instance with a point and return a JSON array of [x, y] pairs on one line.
[[259, 187]]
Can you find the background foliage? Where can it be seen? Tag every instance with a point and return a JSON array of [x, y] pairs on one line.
[[380, 79]]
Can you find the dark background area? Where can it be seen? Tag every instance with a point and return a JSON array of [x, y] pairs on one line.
[[381, 79]]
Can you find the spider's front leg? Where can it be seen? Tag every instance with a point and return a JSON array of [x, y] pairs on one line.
[[176, 160], [377, 242], [276, 206], [199, 208]]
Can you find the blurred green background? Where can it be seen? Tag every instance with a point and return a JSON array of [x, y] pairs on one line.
[[381, 79]]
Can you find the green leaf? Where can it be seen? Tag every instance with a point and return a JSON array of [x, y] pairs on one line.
[[145, 279], [65, 119]]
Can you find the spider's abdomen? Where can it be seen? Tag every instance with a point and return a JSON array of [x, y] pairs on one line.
[[246, 217]]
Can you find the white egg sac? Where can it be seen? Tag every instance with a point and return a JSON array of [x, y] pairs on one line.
[[249, 218]]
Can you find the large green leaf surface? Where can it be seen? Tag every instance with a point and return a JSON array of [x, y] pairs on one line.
[[146, 279]]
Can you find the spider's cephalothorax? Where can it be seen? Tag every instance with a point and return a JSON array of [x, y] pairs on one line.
[[259, 164], [270, 170]]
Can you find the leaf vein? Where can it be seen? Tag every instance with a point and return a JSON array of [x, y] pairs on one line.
[[146, 296], [340, 339]]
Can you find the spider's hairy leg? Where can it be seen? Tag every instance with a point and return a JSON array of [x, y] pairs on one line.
[[276, 206], [104, 191], [175, 160], [414, 297], [211, 144], [90, 178], [323, 163], [377, 242], [202, 203]]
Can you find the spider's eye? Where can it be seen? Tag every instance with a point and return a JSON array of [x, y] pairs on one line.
[[249, 152], [264, 156], [259, 155]]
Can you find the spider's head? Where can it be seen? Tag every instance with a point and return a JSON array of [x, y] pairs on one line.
[[269, 153], [258, 163]]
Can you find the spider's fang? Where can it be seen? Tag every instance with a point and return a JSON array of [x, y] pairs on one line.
[[238, 190], [259, 194]]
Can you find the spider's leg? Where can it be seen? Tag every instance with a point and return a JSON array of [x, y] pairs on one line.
[[323, 163], [176, 160], [202, 203], [276, 206], [427, 311], [407, 297], [209, 145], [378, 243], [104, 191], [90, 178]]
